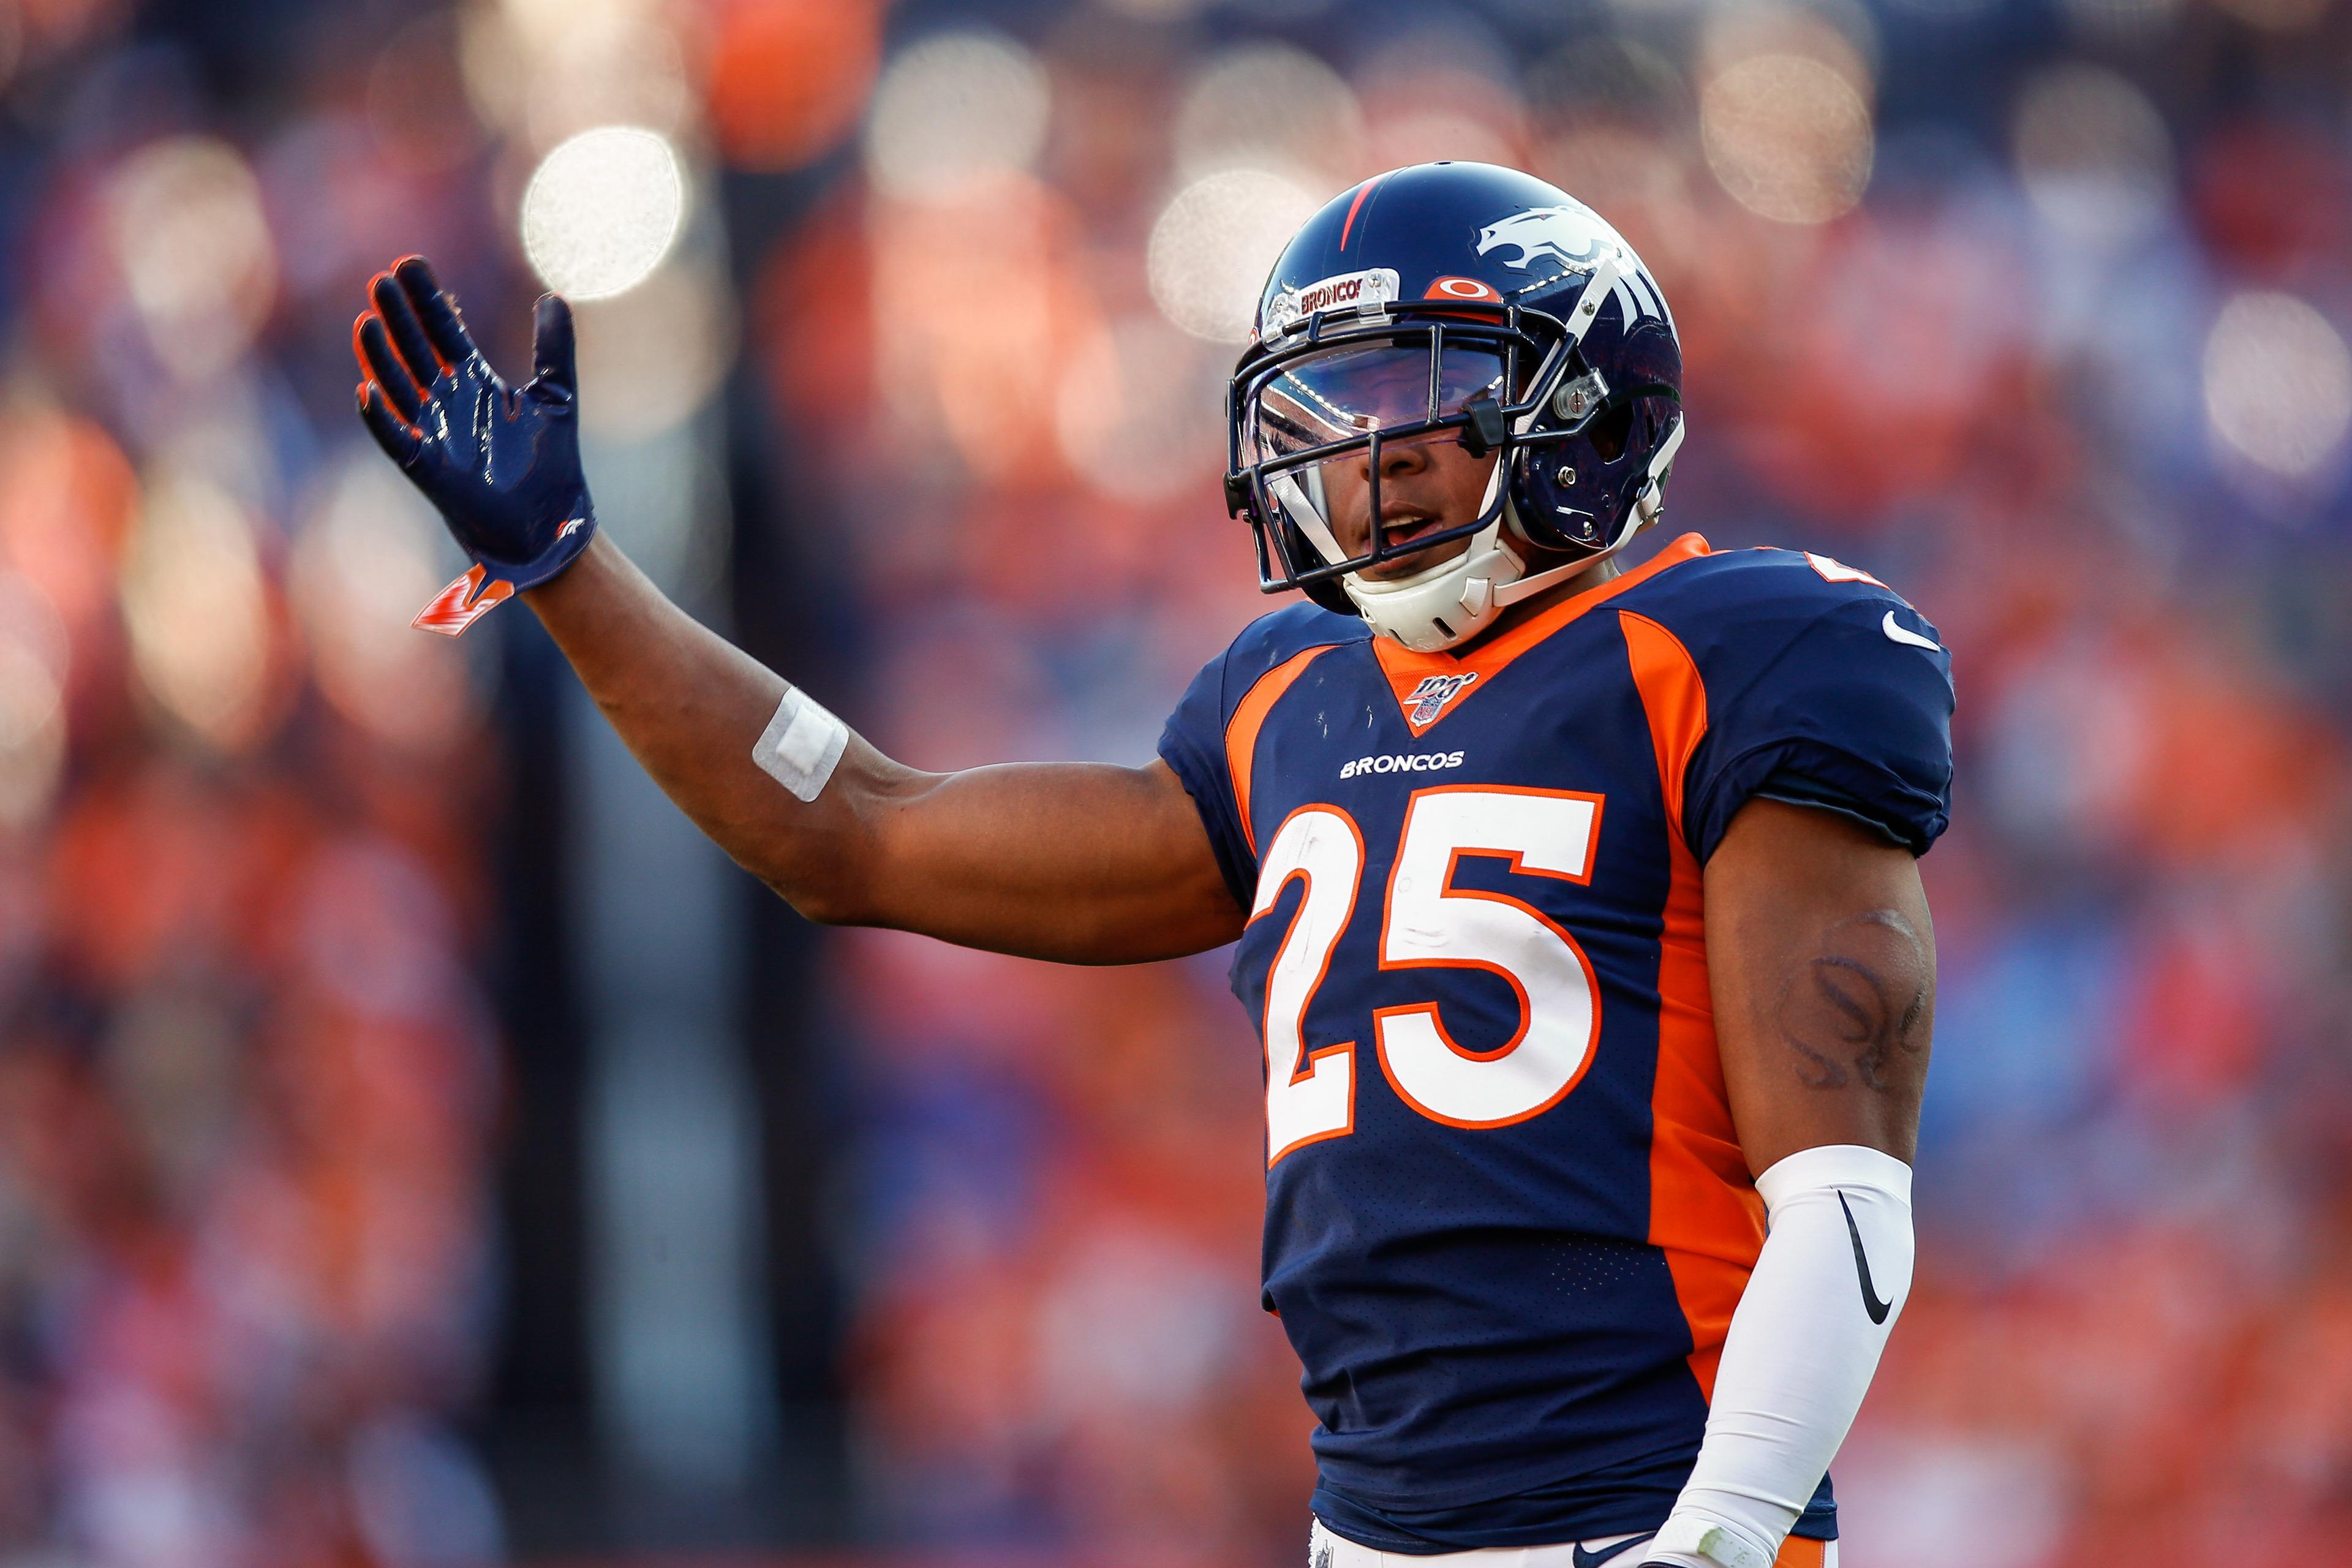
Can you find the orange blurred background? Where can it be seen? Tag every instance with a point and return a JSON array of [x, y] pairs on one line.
[[416, 1147]]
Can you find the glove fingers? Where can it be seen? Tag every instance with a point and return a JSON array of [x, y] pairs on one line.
[[408, 335], [399, 442], [554, 349], [433, 310], [373, 344]]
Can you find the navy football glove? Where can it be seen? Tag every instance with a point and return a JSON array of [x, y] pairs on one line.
[[500, 463]]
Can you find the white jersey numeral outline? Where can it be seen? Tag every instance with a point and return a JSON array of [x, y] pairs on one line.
[[1431, 922], [1308, 1095], [1428, 922]]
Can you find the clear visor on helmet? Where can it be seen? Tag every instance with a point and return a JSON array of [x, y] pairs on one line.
[[1350, 458]]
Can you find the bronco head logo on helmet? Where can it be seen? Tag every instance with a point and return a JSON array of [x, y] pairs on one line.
[[1574, 237]]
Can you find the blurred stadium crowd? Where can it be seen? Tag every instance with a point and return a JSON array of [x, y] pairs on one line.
[[2035, 308]]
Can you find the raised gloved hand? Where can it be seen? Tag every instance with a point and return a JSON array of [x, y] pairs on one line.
[[501, 464]]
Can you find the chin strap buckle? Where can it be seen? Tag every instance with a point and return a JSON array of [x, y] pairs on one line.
[[1486, 432], [1651, 501]]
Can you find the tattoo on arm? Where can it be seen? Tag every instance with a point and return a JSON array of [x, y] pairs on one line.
[[1846, 1011]]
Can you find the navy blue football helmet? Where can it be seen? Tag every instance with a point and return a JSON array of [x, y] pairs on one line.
[[1460, 303]]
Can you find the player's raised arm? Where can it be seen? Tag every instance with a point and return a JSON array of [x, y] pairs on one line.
[[1083, 863]]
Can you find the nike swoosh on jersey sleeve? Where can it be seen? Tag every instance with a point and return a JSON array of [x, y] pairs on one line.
[[1895, 632]]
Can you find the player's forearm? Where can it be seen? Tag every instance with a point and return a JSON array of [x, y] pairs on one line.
[[690, 706], [1076, 862], [1083, 863], [1804, 1343], [1820, 962]]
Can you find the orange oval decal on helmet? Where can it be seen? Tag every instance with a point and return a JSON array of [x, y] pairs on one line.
[[1463, 288]]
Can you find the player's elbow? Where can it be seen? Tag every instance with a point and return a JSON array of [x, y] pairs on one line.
[[824, 906], [833, 879], [824, 895], [841, 870]]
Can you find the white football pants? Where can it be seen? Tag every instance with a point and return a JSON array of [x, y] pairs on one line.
[[1324, 1550]]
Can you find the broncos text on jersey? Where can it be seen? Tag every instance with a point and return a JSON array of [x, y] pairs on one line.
[[1507, 1217]]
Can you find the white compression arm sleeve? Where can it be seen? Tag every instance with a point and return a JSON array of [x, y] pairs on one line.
[[1834, 1270]]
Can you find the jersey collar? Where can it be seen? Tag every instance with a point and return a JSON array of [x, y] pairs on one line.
[[1410, 674]]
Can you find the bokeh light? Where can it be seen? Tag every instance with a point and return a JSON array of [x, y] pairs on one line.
[[602, 211], [66, 507], [492, 64], [1137, 414], [2093, 154], [985, 373], [651, 357], [1266, 105], [1215, 244], [193, 600], [196, 250], [33, 657], [365, 564], [954, 108], [1436, 92], [1787, 136], [1838, 33], [609, 69], [2278, 384], [787, 78]]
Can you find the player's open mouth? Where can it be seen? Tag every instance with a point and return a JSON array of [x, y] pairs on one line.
[[1402, 530], [1406, 527]]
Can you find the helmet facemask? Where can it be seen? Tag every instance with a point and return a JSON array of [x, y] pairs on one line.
[[1319, 421], [1330, 433]]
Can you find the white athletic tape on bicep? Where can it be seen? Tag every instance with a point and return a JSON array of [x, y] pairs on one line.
[[802, 746]]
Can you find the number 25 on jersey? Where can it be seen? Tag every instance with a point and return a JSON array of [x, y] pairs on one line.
[[1429, 923]]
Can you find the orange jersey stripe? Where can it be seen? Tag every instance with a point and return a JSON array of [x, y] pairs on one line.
[[1703, 1211], [1249, 718], [1674, 698], [1406, 669]]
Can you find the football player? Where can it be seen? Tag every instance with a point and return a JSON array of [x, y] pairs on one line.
[[1577, 907]]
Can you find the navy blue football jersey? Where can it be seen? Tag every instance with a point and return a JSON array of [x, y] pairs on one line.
[[1507, 1217]]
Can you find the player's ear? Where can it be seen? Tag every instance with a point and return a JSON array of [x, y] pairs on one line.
[[554, 351]]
